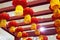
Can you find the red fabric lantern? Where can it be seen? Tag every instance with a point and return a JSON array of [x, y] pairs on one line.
[[45, 38], [34, 20], [24, 34], [38, 26], [0, 17], [4, 15], [20, 2], [58, 37], [19, 29], [28, 11], [3, 19], [29, 39], [12, 23]]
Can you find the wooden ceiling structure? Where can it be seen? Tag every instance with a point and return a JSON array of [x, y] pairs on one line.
[[39, 13]]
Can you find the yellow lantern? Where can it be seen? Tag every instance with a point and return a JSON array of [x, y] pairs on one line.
[[37, 32], [3, 23], [12, 29], [19, 10], [55, 4], [56, 14], [27, 19], [34, 26], [57, 23], [40, 37], [24, 38], [58, 30], [19, 34]]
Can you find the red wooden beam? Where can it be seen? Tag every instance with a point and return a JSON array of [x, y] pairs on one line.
[[35, 14], [44, 12], [30, 4], [46, 26], [40, 21], [47, 32]]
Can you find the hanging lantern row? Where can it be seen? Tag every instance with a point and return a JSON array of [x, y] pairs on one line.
[[55, 7], [13, 25], [21, 9]]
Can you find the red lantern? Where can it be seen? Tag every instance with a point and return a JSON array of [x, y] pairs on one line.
[[38, 26], [45, 38], [29, 39], [34, 20], [28, 11], [0, 17], [13, 23], [20, 2], [19, 29], [5, 16], [24, 34], [58, 36], [3, 19]]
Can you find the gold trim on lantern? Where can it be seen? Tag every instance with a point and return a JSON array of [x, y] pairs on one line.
[[19, 10], [37, 32], [57, 23], [34, 26], [3, 23], [27, 19], [19, 34], [55, 4], [12, 29], [41, 37]]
